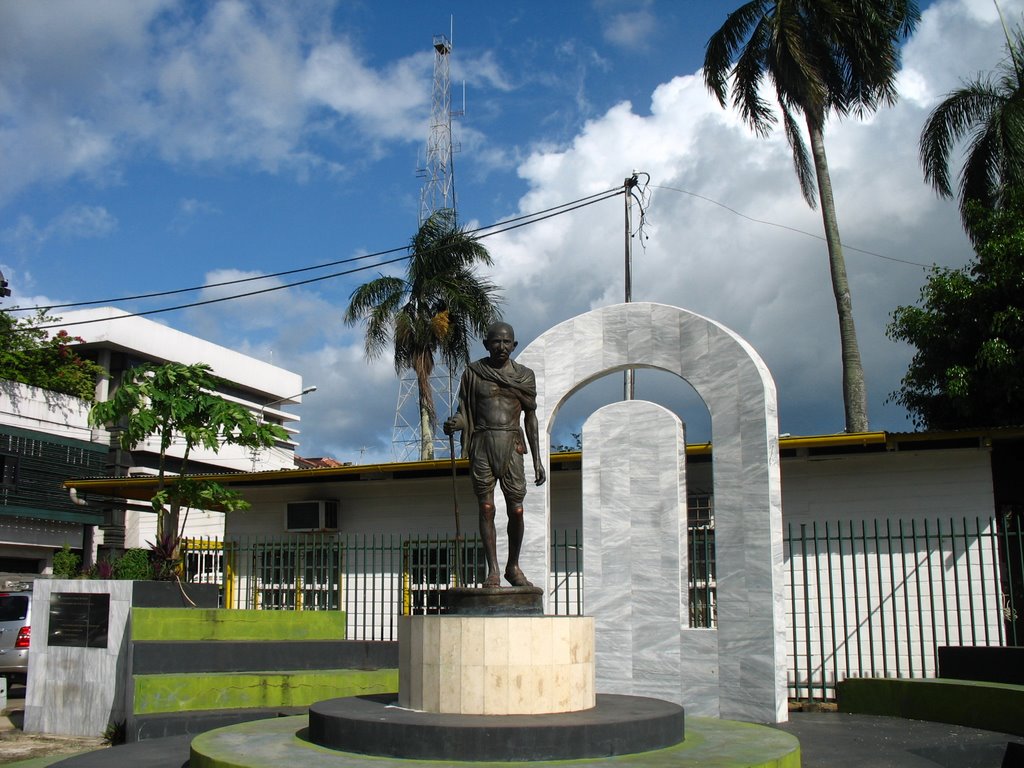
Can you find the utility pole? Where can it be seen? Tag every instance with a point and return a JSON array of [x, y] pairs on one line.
[[629, 375]]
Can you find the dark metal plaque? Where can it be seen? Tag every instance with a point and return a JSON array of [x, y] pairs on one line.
[[79, 620]]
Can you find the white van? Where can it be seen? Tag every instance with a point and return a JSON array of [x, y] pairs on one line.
[[15, 634]]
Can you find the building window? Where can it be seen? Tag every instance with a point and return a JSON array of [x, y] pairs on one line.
[[428, 570], [700, 509], [8, 470]]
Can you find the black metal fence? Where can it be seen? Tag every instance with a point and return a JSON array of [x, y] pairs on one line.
[[878, 598], [874, 597]]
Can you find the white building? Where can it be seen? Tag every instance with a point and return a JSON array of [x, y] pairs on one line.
[[29, 533]]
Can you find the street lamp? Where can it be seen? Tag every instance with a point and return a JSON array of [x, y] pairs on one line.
[[264, 407], [259, 418]]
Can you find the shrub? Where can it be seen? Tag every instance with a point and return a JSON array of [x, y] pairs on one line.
[[66, 564], [134, 565]]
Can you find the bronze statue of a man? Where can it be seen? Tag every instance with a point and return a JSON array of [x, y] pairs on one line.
[[494, 392]]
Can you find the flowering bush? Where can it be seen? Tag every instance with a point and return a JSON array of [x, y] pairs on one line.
[[30, 355]]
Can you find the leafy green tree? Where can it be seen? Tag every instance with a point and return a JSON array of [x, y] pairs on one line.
[[173, 402], [30, 355], [438, 308], [968, 329], [989, 109], [822, 58]]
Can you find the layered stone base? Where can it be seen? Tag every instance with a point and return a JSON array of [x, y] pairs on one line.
[[617, 725], [490, 665]]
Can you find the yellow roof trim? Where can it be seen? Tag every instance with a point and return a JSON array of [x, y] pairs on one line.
[[833, 441], [142, 488]]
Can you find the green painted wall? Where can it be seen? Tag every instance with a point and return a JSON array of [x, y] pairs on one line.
[[185, 693], [222, 624], [990, 706]]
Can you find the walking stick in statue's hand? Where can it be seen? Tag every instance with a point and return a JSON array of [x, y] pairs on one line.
[[455, 504]]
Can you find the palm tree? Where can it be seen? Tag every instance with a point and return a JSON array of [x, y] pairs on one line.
[[991, 111], [822, 57], [438, 308]]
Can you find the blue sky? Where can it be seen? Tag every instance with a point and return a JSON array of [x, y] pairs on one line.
[[153, 144]]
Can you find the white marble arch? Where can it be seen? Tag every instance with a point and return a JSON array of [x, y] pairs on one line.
[[739, 392]]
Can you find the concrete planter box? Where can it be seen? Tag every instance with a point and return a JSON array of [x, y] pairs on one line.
[[170, 594], [77, 673]]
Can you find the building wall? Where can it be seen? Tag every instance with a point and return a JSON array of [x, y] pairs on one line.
[[857, 603], [383, 505], [905, 484], [891, 556], [44, 438], [897, 485], [41, 410]]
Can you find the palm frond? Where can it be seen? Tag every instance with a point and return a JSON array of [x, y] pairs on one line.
[[802, 164], [822, 56], [375, 304], [721, 48], [949, 123], [436, 310]]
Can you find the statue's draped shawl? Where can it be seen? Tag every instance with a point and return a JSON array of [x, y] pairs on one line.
[[513, 376]]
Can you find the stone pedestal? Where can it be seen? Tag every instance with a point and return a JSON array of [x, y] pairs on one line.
[[491, 665]]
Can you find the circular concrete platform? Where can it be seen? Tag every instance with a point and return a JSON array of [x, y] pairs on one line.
[[285, 742], [617, 725]]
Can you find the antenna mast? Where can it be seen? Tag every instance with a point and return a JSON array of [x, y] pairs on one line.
[[438, 192], [439, 189]]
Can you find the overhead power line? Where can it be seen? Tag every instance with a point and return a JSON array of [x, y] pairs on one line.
[[237, 281], [789, 228], [480, 232], [506, 225]]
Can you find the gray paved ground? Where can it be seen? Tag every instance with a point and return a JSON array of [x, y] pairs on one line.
[[836, 740], [828, 740]]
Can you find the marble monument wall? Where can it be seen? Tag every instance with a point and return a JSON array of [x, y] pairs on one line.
[[749, 667]]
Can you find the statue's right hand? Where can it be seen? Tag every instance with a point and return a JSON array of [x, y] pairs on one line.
[[452, 424]]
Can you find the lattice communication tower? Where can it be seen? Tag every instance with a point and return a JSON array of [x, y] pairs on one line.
[[438, 192]]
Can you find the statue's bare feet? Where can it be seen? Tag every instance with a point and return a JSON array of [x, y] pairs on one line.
[[493, 580], [517, 578]]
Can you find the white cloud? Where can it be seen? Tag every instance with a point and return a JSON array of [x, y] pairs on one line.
[[391, 104], [86, 87], [76, 222], [769, 284], [628, 29]]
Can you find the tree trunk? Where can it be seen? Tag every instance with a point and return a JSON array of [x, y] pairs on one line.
[[854, 390], [165, 518], [426, 401]]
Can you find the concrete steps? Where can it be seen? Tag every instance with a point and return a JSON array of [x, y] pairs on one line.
[[197, 669]]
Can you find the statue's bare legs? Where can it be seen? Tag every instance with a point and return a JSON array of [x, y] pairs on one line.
[[489, 537]]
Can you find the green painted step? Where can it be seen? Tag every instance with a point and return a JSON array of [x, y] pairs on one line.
[[241, 690], [709, 743], [233, 624]]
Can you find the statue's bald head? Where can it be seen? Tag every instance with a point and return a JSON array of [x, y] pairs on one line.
[[495, 329]]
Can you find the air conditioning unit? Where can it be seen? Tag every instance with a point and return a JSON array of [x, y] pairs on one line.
[[319, 515]]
